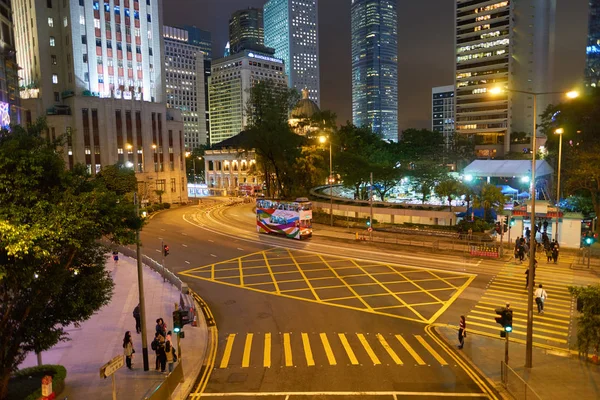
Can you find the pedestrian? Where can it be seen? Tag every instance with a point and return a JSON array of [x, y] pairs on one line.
[[528, 233], [171, 355], [555, 249], [545, 225], [540, 298], [549, 252], [516, 251], [136, 315], [161, 327], [115, 255], [155, 346], [161, 354], [521, 251], [462, 331], [470, 231], [527, 274], [128, 349]]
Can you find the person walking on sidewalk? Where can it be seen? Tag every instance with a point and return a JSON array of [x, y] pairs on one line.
[[128, 349], [462, 331], [555, 249], [115, 255], [155, 345], [540, 298], [136, 315], [171, 355], [161, 354]]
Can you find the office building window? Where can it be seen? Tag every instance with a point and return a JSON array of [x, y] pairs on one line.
[[160, 184], [51, 22], [173, 185], [56, 98], [52, 41], [54, 78], [53, 58]]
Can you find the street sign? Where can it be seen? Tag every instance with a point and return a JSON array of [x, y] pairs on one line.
[[370, 229], [112, 366]]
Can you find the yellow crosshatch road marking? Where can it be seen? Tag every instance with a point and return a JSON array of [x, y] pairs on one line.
[[394, 290]]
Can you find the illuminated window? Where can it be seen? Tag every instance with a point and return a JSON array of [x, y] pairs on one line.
[[54, 78], [52, 41], [50, 22]]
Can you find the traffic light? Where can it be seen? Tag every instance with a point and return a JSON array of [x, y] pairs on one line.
[[368, 222], [505, 224], [177, 321], [589, 240], [505, 319], [512, 222], [165, 250]]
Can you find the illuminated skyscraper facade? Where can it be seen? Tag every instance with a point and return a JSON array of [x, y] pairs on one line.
[[375, 66], [442, 107], [506, 44], [246, 30], [291, 28], [592, 61]]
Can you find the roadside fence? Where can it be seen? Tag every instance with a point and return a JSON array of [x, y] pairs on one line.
[[515, 385]]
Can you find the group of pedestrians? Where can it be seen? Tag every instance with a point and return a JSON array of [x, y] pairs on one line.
[[162, 345]]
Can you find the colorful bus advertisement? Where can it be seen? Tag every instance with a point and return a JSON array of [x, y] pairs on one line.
[[290, 218]]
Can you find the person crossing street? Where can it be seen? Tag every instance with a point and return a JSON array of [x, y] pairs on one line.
[[540, 298]]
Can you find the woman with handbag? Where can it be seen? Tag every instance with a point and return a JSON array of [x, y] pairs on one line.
[[462, 331], [128, 349]]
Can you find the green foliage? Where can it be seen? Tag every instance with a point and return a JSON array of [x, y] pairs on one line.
[[578, 203], [490, 197], [51, 263], [448, 189], [26, 383], [195, 159], [478, 225], [588, 323]]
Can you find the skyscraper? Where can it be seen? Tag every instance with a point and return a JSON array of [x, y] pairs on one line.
[[246, 31], [291, 28], [10, 110], [505, 44], [185, 83], [96, 73], [375, 66], [442, 107], [592, 61]]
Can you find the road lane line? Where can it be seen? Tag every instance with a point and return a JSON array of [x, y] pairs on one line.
[[389, 350], [431, 350], [328, 350], [345, 394], [310, 361], [247, 349], [267, 351], [212, 241], [212, 255], [348, 349], [187, 262], [227, 352], [287, 350], [412, 351], [157, 250], [184, 234], [239, 248], [368, 349], [184, 245]]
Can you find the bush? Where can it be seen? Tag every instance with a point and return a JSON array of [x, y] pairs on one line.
[[27, 383], [166, 206], [478, 225]]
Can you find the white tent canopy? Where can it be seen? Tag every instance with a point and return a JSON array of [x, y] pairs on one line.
[[507, 168]]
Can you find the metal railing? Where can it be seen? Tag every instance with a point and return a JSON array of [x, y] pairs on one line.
[[515, 385]]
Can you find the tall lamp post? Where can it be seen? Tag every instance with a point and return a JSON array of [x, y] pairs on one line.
[[571, 95], [323, 139], [558, 132]]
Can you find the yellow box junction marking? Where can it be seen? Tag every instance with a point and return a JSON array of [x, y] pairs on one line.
[[367, 286]]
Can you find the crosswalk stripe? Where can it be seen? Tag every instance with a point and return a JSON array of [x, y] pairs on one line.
[[521, 290], [328, 351], [524, 295], [537, 321], [523, 305], [389, 350], [408, 348], [287, 350], [227, 353], [538, 277], [267, 351], [368, 348], [310, 361], [431, 350], [247, 348], [537, 328], [348, 349], [517, 332], [523, 314]]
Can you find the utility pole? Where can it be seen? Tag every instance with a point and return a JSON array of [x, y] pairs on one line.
[[330, 185], [162, 250], [371, 208], [140, 271]]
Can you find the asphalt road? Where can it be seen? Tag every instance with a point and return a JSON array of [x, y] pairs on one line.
[[295, 344]]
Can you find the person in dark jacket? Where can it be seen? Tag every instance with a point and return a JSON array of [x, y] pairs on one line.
[[136, 315], [156, 343], [462, 331], [161, 354], [128, 349], [161, 327]]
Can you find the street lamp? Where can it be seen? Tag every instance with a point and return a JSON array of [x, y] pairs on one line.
[[323, 139], [558, 132], [571, 95]]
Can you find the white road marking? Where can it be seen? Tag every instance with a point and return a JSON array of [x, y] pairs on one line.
[[266, 394], [213, 255], [162, 229], [184, 234], [212, 241], [239, 248], [187, 262], [157, 250], [184, 245]]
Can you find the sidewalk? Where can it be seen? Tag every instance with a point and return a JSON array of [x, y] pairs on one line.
[[552, 376], [100, 338]]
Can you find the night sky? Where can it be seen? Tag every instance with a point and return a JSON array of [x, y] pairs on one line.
[[425, 48]]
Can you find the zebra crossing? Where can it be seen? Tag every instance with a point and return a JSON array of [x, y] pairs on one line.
[[553, 328], [267, 350]]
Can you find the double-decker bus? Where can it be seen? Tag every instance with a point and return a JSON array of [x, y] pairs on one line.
[[290, 218]]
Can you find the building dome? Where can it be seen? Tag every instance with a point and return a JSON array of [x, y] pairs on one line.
[[305, 108]]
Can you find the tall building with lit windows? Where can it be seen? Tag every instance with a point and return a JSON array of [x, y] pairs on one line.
[[185, 83], [94, 70], [506, 44], [291, 28], [442, 107], [10, 110], [592, 51], [246, 30], [375, 66]]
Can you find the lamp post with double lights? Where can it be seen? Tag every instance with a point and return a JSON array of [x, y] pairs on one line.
[[323, 139], [570, 95]]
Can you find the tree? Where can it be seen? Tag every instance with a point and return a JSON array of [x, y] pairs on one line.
[[424, 176], [194, 164], [467, 191], [448, 189], [588, 323], [51, 262], [489, 198]]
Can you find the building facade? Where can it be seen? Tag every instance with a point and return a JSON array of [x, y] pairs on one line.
[[592, 51], [10, 110], [291, 28], [94, 70], [230, 82], [375, 66], [506, 44], [246, 30], [231, 172], [185, 86], [442, 111]]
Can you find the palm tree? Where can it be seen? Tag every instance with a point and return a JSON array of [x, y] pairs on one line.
[[490, 197], [468, 192], [448, 189]]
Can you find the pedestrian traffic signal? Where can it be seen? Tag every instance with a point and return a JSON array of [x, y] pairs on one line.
[[165, 250], [177, 321], [512, 222], [589, 240], [505, 319], [368, 222]]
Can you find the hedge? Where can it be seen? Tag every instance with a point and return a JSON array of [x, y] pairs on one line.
[[28, 381]]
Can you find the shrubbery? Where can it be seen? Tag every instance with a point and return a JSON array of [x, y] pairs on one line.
[[27, 382], [478, 225], [157, 207]]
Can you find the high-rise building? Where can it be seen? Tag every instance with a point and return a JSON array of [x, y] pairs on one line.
[[291, 28], [442, 107], [10, 110], [185, 83], [246, 31], [592, 62], [96, 73], [505, 44], [230, 82], [375, 66]]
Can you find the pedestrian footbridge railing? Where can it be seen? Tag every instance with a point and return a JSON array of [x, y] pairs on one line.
[[515, 385]]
